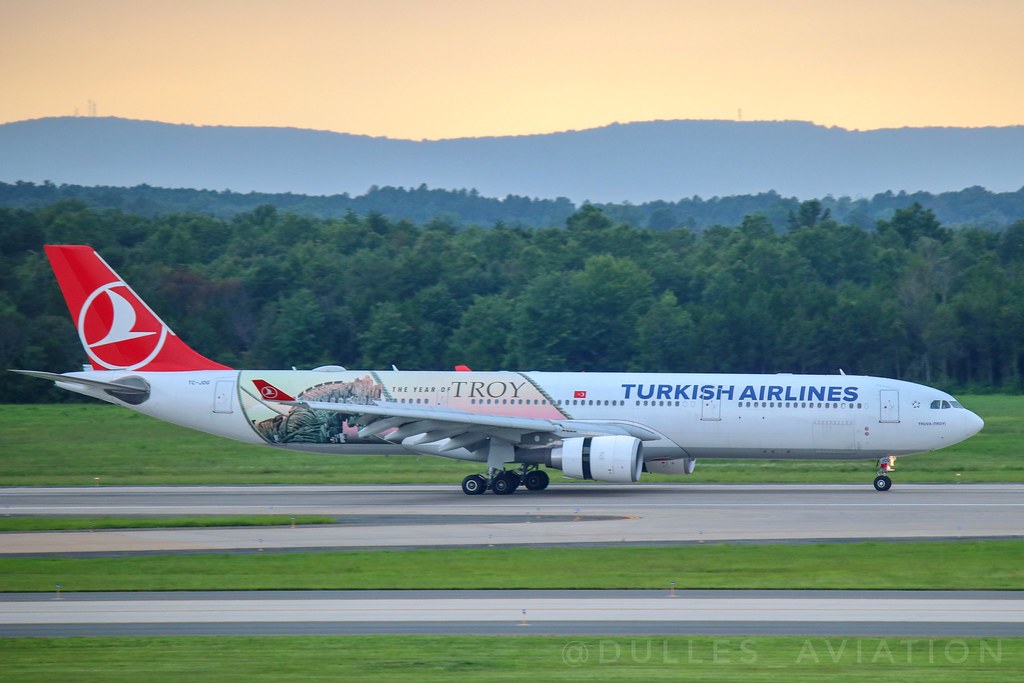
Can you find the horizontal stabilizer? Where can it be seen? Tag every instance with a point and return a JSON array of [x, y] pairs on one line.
[[98, 384]]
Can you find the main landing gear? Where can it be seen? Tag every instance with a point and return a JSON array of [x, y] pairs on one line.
[[505, 482], [885, 465]]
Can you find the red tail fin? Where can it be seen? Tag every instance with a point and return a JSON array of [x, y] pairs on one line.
[[118, 330]]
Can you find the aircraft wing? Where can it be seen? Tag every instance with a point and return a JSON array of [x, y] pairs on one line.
[[445, 430]]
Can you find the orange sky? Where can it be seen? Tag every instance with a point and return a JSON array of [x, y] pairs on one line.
[[453, 68]]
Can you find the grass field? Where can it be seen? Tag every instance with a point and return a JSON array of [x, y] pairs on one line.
[[97, 444], [518, 658], [961, 565]]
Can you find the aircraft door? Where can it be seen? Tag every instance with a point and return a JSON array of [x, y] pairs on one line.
[[889, 404], [223, 396]]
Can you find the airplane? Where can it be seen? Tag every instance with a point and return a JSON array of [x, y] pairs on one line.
[[600, 426]]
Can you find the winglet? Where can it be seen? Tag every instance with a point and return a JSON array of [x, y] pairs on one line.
[[117, 329]]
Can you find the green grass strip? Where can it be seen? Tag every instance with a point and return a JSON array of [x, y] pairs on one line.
[[481, 658], [954, 565], [82, 523]]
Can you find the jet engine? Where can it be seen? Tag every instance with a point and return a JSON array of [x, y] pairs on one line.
[[603, 458]]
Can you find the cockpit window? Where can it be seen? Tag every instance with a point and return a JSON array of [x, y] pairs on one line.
[[944, 405], [956, 404]]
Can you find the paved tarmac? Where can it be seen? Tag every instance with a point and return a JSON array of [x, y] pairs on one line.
[[417, 516], [811, 613], [441, 516]]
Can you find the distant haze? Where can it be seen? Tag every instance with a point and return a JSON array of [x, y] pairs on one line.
[[468, 68], [634, 162]]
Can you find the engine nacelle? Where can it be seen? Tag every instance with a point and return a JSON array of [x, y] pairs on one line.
[[602, 458], [674, 466]]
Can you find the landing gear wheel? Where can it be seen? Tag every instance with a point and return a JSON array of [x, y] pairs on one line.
[[536, 480], [504, 483], [474, 485], [883, 483]]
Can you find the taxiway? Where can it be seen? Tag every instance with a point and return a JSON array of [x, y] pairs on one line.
[[441, 516], [416, 516]]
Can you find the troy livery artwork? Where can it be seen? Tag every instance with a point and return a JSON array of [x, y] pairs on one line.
[[279, 423]]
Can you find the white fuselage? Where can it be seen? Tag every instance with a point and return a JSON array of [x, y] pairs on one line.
[[692, 415]]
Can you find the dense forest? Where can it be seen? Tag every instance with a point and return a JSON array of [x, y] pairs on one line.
[[907, 298], [973, 206]]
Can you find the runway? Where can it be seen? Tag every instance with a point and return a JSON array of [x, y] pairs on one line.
[[811, 613], [417, 516]]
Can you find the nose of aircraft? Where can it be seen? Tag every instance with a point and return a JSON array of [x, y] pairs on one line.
[[972, 424]]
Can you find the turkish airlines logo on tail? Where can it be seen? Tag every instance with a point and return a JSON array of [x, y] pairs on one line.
[[118, 331], [270, 392]]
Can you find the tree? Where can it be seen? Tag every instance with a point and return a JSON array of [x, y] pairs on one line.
[[484, 335], [912, 223], [389, 339], [665, 338], [292, 333], [808, 215]]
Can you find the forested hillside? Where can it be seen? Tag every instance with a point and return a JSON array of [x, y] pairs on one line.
[[972, 206], [909, 298]]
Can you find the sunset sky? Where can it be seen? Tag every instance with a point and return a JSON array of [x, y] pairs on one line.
[[457, 68]]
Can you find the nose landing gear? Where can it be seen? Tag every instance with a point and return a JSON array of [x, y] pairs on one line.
[[885, 465]]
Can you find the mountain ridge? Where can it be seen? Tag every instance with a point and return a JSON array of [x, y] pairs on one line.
[[631, 162]]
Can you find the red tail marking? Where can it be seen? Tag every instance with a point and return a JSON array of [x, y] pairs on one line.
[[270, 392], [117, 329]]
